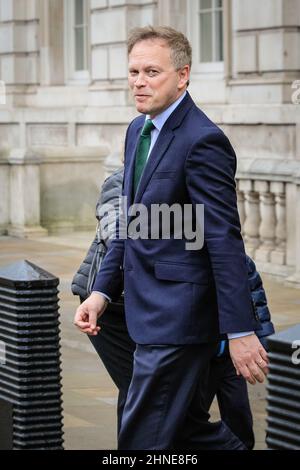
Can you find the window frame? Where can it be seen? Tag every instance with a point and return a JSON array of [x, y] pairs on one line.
[[214, 67], [73, 76]]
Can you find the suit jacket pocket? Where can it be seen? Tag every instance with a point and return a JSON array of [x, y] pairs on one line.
[[181, 272]]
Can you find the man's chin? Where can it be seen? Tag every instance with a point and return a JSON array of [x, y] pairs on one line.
[[141, 109]]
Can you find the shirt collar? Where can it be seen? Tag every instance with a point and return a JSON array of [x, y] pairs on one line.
[[161, 118]]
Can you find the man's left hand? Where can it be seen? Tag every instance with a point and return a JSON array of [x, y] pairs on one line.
[[249, 358]]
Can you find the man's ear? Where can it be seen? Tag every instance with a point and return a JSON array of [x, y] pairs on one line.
[[184, 75]]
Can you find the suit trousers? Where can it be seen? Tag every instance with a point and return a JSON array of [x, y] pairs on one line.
[[233, 400], [115, 348], [165, 406]]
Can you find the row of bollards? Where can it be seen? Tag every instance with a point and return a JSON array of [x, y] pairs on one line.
[[30, 372]]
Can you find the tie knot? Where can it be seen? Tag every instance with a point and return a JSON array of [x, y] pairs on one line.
[[148, 127]]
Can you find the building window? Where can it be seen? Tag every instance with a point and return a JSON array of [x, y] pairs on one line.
[[76, 40], [80, 36], [206, 34], [210, 18]]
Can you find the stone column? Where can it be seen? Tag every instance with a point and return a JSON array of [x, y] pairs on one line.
[[278, 256], [268, 221], [252, 216], [24, 194]]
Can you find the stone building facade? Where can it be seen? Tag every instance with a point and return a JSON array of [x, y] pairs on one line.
[[66, 107]]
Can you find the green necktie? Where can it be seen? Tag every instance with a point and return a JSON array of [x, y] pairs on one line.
[[142, 152]]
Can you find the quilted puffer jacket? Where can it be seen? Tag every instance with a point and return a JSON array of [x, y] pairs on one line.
[[110, 193]]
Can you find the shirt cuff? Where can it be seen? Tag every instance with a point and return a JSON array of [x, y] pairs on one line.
[[239, 335], [104, 295]]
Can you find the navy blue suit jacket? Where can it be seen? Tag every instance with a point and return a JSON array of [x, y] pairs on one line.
[[174, 295]]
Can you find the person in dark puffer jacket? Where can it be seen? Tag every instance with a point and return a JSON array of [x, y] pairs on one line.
[[223, 382], [113, 343], [115, 347]]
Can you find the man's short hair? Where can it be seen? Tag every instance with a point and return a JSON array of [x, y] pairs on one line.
[[181, 50]]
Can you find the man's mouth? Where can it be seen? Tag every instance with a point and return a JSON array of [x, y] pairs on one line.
[[141, 97]]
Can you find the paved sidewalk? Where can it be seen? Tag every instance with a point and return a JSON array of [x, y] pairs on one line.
[[89, 394]]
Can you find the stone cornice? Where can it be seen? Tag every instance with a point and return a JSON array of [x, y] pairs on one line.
[[40, 155], [267, 169], [72, 154], [282, 114]]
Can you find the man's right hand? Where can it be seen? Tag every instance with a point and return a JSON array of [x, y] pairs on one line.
[[88, 312]]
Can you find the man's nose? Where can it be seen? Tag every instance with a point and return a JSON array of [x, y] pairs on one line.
[[140, 80]]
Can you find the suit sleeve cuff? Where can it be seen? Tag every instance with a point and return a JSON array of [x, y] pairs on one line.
[[104, 295]]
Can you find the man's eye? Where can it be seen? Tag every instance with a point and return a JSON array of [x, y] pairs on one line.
[[133, 73], [152, 73]]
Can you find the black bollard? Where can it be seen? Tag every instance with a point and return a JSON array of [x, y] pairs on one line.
[[30, 372], [283, 421]]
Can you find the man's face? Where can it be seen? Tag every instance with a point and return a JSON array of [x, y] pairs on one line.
[[152, 77]]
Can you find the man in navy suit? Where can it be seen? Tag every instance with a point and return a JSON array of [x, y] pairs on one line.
[[177, 301]]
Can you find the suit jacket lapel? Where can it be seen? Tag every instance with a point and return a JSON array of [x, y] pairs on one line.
[[130, 157], [161, 146]]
